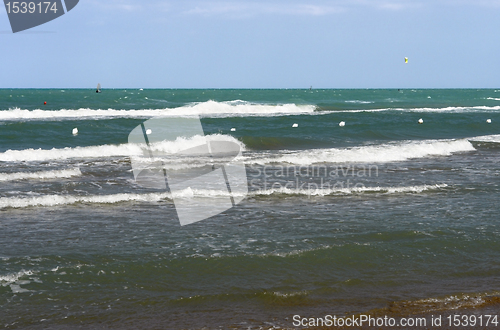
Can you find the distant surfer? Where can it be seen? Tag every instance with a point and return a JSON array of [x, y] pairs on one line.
[[98, 89]]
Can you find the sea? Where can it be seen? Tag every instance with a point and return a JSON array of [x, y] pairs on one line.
[[357, 202]]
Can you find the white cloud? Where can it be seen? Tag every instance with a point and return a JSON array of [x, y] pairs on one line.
[[130, 5], [251, 8], [116, 5], [409, 4], [397, 5], [393, 5], [303, 9], [482, 3], [218, 8], [248, 9]]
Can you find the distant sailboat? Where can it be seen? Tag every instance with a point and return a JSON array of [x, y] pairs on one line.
[[98, 90]]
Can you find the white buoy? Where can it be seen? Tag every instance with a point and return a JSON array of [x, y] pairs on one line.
[[420, 121], [233, 129], [295, 125], [75, 131], [342, 124], [488, 121], [149, 131]]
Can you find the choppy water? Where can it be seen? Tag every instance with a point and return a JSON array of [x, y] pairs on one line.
[[337, 220]]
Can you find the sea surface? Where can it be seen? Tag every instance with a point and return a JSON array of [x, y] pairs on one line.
[[339, 219]]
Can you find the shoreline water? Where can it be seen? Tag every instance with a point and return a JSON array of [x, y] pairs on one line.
[[380, 216]]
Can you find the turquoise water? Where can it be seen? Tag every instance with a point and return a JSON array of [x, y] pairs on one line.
[[338, 220]]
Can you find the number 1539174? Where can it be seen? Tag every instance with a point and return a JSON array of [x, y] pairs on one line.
[[16, 7], [473, 320]]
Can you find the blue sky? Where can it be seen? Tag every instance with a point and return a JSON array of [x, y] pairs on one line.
[[258, 44]]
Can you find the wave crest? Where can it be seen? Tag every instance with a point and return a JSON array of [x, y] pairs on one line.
[[235, 108], [58, 200], [104, 151], [383, 153], [42, 175]]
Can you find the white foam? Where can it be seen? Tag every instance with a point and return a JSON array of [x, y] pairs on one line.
[[204, 109], [243, 108], [14, 281], [455, 109], [16, 288], [43, 175], [359, 102], [54, 200], [400, 151], [211, 109], [389, 152], [487, 138], [439, 110], [188, 193], [105, 151], [314, 190], [14, 277], [66, 153], [58, 200]]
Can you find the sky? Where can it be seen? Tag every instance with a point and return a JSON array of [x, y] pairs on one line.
[[258, 44]]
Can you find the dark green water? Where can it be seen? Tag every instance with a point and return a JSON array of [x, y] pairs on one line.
[[338, 219]]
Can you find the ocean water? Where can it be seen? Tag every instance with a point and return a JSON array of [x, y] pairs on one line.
[[338, 220]]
